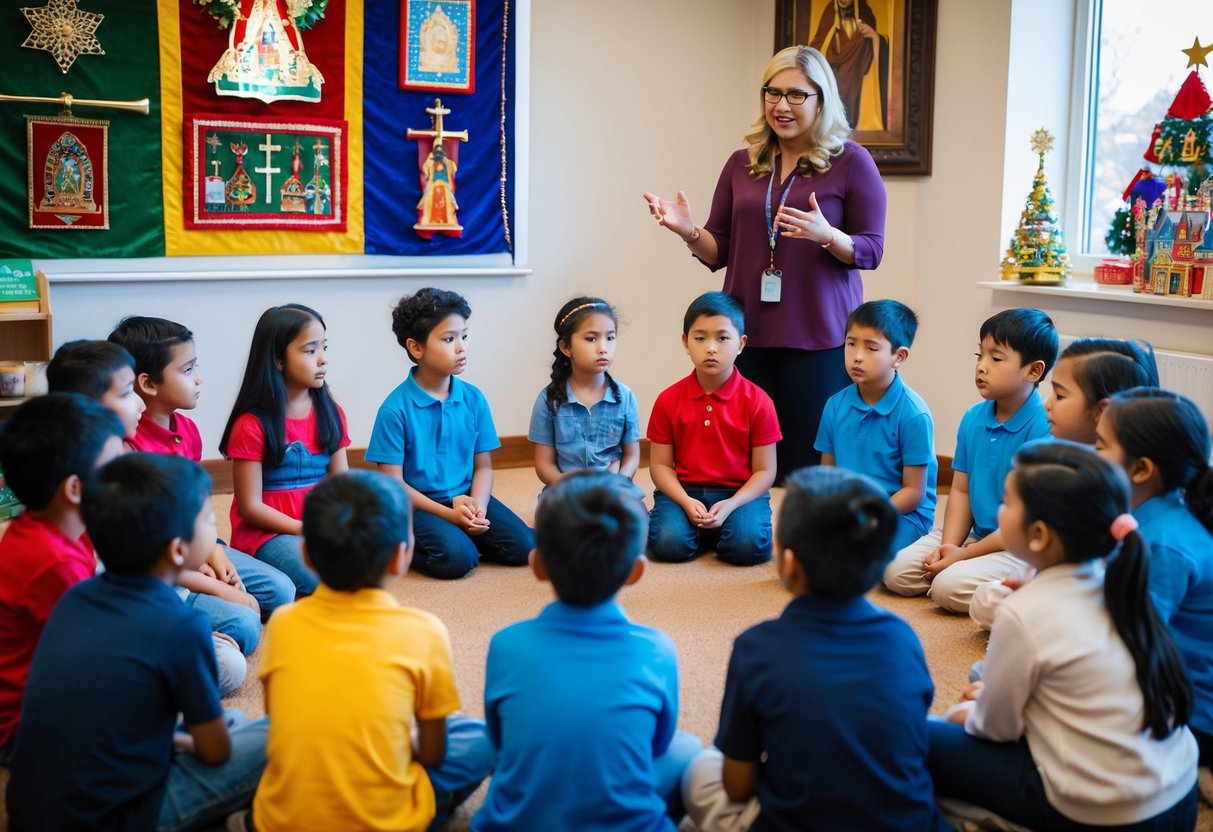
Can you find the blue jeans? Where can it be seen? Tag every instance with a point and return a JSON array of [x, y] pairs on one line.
[[284, 552], [446, 551], [743, 540], [1002, 777], [269, 585], [469, 760], [235, 620], [198, 794]]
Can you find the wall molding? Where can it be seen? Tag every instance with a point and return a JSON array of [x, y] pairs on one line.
[[515, 452]]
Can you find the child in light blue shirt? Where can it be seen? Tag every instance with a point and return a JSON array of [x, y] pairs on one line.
[[584, 418]]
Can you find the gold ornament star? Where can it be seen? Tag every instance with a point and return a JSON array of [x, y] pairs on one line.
[[215, 143], [1042, 141], [63, 30], [1196, 53]]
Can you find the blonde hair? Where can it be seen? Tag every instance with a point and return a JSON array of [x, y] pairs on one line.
[[829, 131]]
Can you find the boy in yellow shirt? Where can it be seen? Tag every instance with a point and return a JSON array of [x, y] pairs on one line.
[[349, 674]]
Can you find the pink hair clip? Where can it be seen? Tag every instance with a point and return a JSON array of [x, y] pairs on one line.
[[1122, 525]]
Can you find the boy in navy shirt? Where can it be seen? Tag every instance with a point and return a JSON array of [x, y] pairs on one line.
[[1016, 349], [119, 659], [878, 426], [824, 718], [436, 433], [712, 456], [581, 703]]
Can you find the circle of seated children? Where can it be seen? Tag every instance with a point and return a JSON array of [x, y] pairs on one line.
[[1133, 637]]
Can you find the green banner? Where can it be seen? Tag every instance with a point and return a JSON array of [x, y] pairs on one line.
[[129, 70]]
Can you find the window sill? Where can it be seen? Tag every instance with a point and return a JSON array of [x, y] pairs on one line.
[[1090, 290]]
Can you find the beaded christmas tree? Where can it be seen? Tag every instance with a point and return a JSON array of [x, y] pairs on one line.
[[1037, 253]]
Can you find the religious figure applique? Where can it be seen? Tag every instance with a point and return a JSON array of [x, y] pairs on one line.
[[292, 199], [68, 178], [317, 196], [240, 189], [265, 58], [439, 39], [436, 151]]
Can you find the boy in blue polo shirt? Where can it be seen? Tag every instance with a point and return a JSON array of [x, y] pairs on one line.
[[878, 426], [435, 432], [1016, 350], [581, 703], [121, 657], [824, 719]]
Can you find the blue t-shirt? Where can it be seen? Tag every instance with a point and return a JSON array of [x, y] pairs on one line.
[[120, 657], [880, 440], [579, 702], [586, 437], [435, 441], [835, 695], [985, 449], [1181, 584]]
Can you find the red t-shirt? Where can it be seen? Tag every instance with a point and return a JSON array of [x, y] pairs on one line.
[[180, 439], [38, 563], [246, 442], [714, 434]]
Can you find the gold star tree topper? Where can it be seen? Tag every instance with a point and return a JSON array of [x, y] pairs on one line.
[[1197, 54], [1042, 141], [63, 30]]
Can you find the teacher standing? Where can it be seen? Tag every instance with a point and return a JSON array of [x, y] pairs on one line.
[[795, 216]]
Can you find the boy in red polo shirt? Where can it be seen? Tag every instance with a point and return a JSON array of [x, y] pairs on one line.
[[48, 445], [712, 454]]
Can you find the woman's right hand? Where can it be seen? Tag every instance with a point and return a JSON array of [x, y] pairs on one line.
[[675, 216]]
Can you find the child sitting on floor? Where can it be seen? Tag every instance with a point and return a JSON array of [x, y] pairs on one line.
[[581, 703], [435, 431], [348, 672], [823, 722], [120, 658], [48, 447], [712, 456]]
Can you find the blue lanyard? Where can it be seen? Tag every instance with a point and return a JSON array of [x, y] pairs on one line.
[[772, 232]]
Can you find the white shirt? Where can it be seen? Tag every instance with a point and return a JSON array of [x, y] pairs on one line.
[[1059, 675]]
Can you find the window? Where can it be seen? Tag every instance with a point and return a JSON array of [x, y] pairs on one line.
[[1134, 68]]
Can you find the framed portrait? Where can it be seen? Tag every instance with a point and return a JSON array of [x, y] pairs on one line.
[[438, 45], [883, 55]]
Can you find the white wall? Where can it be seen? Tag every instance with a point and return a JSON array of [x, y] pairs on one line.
[[636, 96]]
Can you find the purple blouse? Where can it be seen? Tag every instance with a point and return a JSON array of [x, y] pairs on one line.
[[819, 291]]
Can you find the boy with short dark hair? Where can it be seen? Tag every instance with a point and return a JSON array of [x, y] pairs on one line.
[[105, 372], [436, 432], [102, 371], [98, 754], [712, 452], [580, 702], [168, 381], [823, 724], [878, 426], [1016, 350], [49, 446], [347, 671]]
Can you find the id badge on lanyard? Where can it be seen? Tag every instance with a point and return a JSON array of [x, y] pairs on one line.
[[771, 286]]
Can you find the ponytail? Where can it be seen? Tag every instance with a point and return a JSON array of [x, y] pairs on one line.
[[1164, 684]]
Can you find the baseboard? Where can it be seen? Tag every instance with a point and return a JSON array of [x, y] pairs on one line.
[[515, 452]]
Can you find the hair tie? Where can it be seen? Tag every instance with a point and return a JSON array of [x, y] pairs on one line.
[[575, 310], [1122, 525]]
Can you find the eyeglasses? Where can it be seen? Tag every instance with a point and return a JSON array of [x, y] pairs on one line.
[[794, 97]]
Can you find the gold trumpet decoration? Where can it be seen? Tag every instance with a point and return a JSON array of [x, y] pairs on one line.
[[66, 101]]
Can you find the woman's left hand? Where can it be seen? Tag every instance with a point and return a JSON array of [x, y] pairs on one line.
[[805, 225]]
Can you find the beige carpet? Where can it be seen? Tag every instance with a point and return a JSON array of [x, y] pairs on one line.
[[703, 606]]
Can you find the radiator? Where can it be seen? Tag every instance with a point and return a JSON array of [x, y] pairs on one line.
[[1188, 373]]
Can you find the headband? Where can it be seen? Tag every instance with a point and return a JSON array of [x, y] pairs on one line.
[[1122, 525], [577, 309]]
